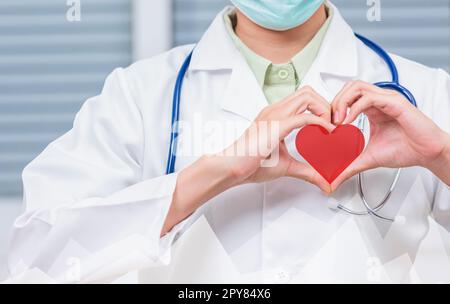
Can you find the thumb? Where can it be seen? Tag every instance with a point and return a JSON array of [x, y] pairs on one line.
[[307, 173], [360, 164]]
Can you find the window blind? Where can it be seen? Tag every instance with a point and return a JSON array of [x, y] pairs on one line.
[[48, 68]]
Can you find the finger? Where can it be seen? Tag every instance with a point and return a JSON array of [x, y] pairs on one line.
[[349, 95], [302, 120], [305, 172], [338, 108], [307, 99], [344, 89], [343, 177], [363, 104], [334, 109], [296, 94], [390, 103], [371, 100]]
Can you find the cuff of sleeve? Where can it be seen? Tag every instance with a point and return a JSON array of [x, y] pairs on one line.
[[166, 242], [157, 195], [161, 246]]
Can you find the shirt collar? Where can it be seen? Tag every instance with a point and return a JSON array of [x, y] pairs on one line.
[[260, 65], [337, 55], [304, 59]]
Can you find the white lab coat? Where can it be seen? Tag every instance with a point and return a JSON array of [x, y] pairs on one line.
[[97, 197]]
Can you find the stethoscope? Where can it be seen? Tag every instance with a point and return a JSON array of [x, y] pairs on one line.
[[394, 84]]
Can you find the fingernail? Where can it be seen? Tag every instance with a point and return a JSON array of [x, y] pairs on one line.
[[336, 117]]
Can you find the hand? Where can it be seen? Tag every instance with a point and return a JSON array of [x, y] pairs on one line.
[[241, 162], [288, 115], [400, 135]]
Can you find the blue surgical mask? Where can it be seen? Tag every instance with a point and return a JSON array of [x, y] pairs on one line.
[[278, 15]]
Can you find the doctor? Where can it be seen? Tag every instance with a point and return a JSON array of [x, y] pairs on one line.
[[99, 193]]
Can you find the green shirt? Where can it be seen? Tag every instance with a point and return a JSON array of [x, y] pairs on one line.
[[280, 80]]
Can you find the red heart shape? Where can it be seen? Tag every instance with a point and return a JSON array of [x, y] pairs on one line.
[[330, 153]]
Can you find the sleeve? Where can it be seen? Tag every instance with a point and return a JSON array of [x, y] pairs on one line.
[[441, 204], [85, 198]]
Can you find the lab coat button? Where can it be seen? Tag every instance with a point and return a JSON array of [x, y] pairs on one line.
[[283, 74], [400, 219], [282, 277]]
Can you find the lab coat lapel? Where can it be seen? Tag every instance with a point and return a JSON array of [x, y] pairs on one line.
[[337, 60], [217, 52], [243, 95]]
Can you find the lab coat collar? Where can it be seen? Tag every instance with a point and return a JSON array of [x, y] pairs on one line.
[[215, 50], [243, 96], [337, 55]]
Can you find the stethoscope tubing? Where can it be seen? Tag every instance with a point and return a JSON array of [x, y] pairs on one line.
[[171, 159], [392, 85]]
